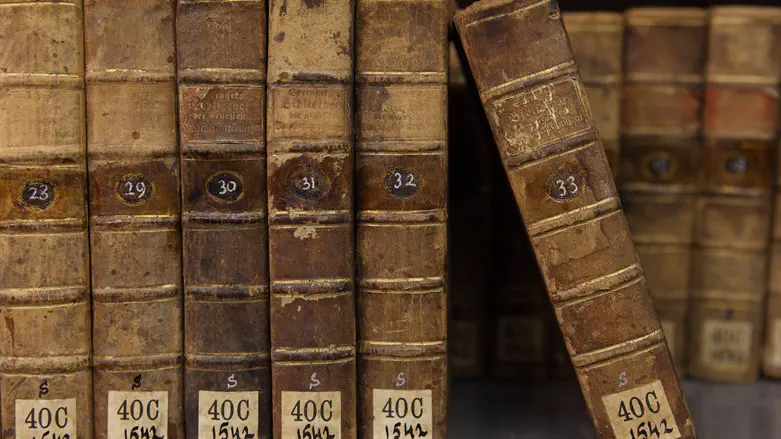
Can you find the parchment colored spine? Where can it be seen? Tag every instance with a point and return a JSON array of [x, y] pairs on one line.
[[662, 123], [221, 57], [135, 213], [734, 209], [44, 254], [598, 42], [401, 70], [310, 204], [536, 103]]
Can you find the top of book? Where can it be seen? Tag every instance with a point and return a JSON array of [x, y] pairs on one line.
[[660, 16], [739, 14], [494, 30], [600, 18]]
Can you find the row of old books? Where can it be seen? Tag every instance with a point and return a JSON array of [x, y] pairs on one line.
[[187, 191], [687, 104]]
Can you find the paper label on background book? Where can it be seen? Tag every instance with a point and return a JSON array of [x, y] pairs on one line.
[[463, 351], [46, 419], [137, 415], [311, 415], [520, 340], [227, 415], [402, 413], [668, 327], [775, 343], [642, 412], [726, 345]]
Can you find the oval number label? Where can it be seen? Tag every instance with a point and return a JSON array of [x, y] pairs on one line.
[[225, 186], [37, 194], [309, 183], [401, 184], [134, 189], [737, 164], [565, 185]]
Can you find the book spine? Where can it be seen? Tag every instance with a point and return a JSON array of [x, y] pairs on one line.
[[134, 218], [311, 227], [44, 274], [734, 207], [536, 103], [401, 70], [221, 55], [771, 356], [470, 216], [597, 39], [665, 66]]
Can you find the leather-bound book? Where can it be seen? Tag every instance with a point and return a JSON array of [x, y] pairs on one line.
[[309, 136], [521, 59], [734, 207], [597, 39], [665, 66], [469, 218], [401, 181], [44, 248], [221, 55], [771, 359], [134, 218]]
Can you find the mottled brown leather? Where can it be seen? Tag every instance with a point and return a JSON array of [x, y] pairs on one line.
[[734, 209], [597, 39], [662, 110], [401, 139], [134, 206], [310, 203], [221, 48], [44, 258], [470, 198], [538, 109]]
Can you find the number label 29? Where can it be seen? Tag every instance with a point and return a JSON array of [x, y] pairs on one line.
[[134, 189]]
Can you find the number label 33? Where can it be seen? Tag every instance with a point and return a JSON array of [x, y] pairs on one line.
[[565, 185]]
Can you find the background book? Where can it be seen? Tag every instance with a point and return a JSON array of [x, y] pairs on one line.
[[470, 203], [665, 61], [735, 205]]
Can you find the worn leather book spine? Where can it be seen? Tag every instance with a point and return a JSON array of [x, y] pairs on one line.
[[134, 218], [311, 227], [470, 216], [734, 208], [771, 357], [665, 67], [401, 71], [221, 55], [44, 262], [520, 56], [597, 39]]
